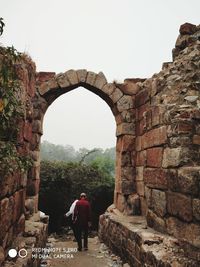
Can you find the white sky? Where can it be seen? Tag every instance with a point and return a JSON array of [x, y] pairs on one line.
[[122, 38]]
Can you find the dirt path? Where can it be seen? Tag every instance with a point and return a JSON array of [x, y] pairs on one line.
[[66, 255]]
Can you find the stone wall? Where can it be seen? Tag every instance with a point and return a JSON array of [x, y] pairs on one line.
[[18, 198], [140, 246], [167, 142], [166, 157]]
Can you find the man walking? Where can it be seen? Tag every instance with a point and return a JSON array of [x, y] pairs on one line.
[[82, 220]]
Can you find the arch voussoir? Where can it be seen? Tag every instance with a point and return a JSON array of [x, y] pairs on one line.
[[62, 80], [108, 88], [100, 80], [116, 95], [91, 77], [72, 77], [46, 86]]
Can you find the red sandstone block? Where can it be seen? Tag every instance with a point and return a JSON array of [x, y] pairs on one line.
[[118, 119], [35, 142], [196, 139], [133, 158], [127, 143], [28, 131], [155, 222], [184, 127], [20, 225], [138, 143], [128, 173], [187, 180], [34, 173], [32, 187], [154, 137], [44, 76], [140, 111], [19, 201], [156, 114], [127, 187], [119, 144], [182, 230], [148, 119], [159, 202], [31, 83], [140, 188], [154, 157], [141, 158], [155, 178], [126, 159], [141, 97], [140, 127], [179, 205]]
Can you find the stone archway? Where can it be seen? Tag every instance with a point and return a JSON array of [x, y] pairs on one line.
[[50, 86]]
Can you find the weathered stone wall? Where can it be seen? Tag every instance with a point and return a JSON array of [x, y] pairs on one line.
[[167, 143], [18, 201], [165, 160], [140, 246]]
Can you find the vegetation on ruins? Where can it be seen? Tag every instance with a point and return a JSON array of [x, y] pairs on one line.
[[11, 110]]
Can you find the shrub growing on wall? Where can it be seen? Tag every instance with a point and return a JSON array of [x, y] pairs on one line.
[[12, 111]]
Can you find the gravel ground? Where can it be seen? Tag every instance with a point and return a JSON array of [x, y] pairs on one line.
[[64, 254]]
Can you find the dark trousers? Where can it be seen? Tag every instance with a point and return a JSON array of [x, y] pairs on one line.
[[82, 230]]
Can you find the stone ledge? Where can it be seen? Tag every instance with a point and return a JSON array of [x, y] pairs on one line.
[[35, 235], [140, 245]]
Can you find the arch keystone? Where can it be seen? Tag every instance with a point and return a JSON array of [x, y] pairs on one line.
[[82, 74]]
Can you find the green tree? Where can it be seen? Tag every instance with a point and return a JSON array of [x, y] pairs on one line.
[[61, 182]]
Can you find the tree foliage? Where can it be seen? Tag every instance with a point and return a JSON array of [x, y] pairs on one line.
[[61, 182], [67, 153]]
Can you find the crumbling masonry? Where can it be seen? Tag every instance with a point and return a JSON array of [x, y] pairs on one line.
[[155, 219]]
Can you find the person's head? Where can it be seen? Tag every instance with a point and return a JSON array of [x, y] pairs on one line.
[[83, 196]]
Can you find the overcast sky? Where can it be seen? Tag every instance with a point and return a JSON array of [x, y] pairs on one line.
[[122, 38]]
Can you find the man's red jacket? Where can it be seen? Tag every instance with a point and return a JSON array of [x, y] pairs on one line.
[[82, 213]]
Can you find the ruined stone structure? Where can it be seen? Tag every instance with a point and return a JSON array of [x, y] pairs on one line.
[[158, 157]]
